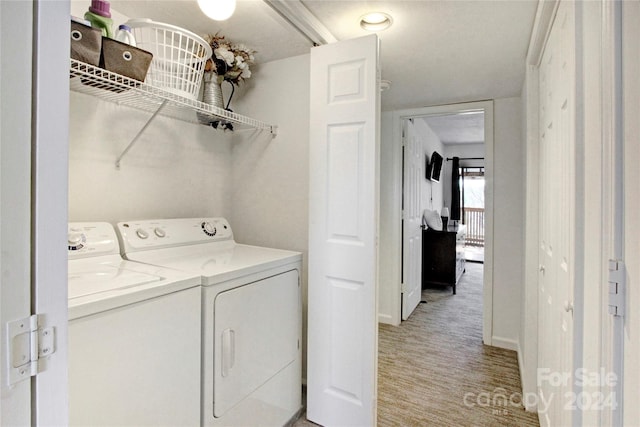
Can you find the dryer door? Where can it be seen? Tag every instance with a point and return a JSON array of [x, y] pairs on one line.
[[256, 336]]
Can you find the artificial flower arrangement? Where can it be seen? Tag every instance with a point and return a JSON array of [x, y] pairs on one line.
[[230, 61]]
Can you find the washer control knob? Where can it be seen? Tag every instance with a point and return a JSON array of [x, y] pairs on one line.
[[142, 234], [208, 228], [75, 241], [74, 238], [159, 232]]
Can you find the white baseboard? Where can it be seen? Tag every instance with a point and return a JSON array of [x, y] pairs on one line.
[[505, 343], [520, 363], [529, 404], [385, 318]]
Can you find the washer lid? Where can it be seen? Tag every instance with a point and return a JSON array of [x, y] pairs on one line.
[[105, 278], [97, 284]]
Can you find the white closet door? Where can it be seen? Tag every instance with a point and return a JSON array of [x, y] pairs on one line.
[[411, 219], [343, 233], [557, 200]]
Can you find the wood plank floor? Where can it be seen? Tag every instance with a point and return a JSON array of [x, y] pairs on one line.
[[435, 371]]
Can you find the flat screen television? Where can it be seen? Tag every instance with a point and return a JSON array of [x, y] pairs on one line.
[[434, 167]]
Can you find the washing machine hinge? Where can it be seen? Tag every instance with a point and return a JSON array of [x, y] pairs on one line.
[[28, 343]]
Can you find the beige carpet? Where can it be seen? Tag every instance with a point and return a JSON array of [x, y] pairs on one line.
[[435, 371]]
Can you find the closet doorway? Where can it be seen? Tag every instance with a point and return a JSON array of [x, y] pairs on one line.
[[485, 108]]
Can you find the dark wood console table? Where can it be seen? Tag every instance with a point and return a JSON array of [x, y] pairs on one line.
[[443, 260]]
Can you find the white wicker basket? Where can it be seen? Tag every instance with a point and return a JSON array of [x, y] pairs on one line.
[[179, 56]]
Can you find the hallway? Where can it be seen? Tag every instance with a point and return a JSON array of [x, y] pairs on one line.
[[435, 371]]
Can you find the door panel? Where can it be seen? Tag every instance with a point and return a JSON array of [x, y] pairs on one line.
[[412, 218], [557, 216], [343, 230]]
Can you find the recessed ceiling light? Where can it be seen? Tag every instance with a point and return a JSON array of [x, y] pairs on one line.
[[375, 21], [218, 10]]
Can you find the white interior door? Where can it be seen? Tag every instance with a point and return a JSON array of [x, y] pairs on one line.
[[16, 20], [557, 201], [413, 174], [343, 233]]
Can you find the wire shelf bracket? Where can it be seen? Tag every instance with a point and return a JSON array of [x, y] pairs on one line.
[[140, 132]]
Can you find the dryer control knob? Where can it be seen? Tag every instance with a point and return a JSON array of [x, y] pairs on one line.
[[208, 228], [141, 233], [159, 232]]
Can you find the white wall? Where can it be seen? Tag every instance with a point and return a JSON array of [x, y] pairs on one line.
[[508, 242], [390, 250], [431, 191], [176, 169], [528, 338], [270, 177]]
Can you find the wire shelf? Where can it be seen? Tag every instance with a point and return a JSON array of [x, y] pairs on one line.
[[122, 90]]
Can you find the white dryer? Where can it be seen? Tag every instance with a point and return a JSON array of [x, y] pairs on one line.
[[251, 313], [134, 336]]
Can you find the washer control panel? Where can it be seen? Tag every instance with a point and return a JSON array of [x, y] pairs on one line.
[[156, 234], [208, 228], [85, 239]]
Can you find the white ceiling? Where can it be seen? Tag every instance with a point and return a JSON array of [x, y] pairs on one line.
[[464, 128], [436, 52]]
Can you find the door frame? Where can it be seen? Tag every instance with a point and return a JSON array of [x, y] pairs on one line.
[[45, 88], [49, 205], [396, 217], [528, 354]]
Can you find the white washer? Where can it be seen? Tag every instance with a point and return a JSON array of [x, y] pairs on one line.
[[134, 336], [251, 311]]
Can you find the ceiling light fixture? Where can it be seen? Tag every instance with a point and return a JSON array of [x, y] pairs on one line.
[[375, 21], [218, 10]]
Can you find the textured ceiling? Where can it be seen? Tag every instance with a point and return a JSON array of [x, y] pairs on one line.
[[442, 51], [436, 52], [465, 128]]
